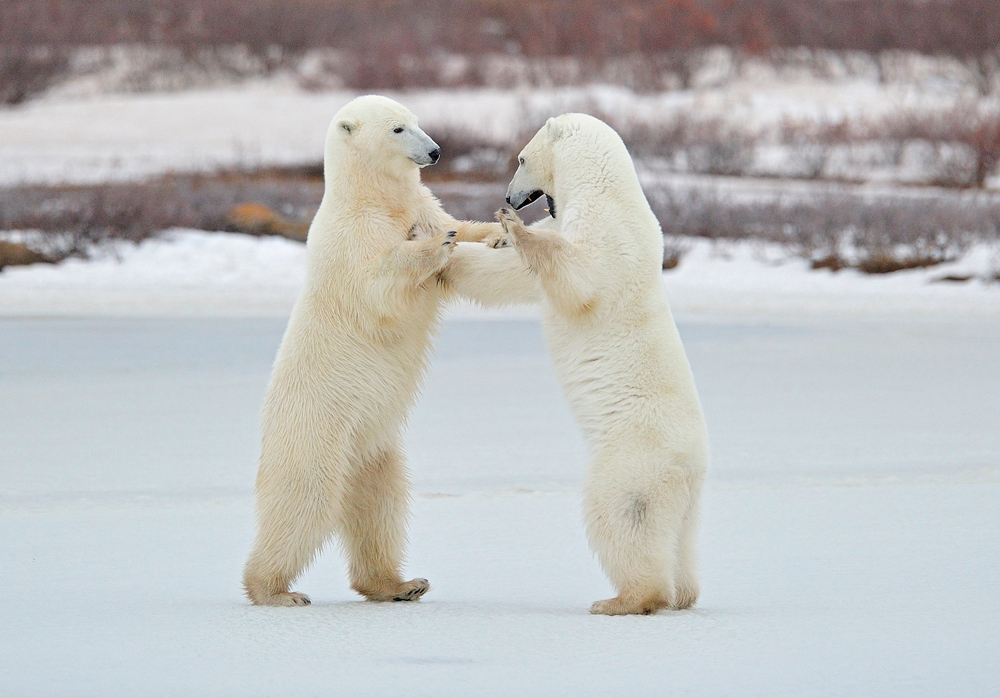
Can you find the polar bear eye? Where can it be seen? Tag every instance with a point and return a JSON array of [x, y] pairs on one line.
[[520, 161], [398, 129]]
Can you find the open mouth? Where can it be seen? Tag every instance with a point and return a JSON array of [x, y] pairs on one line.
[[533, 196]]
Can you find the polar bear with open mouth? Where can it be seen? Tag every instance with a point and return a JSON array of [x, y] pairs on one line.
[[618, 356]]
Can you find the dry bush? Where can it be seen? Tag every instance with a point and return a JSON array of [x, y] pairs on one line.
[[393, 43], [73, 220], [592, 28], [834, 230], [472, 157], [26, 71], [968, 127]]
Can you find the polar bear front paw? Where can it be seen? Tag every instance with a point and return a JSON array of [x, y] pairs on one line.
[[404, 591], [287, 598], [412, 590], [497, 240], [513, 226]]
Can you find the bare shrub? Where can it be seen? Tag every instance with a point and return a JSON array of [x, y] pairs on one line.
[[718, 149], [837, 230], [27, 70], [392, 43], [72, 221], [968, 124]]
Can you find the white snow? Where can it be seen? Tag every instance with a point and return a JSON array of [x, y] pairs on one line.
[[128, 136], [195, 273], [849, 542]]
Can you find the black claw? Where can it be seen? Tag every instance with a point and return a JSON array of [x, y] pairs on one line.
[[452, 233]]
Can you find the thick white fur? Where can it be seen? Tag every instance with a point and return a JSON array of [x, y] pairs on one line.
[[619, 358], [380, 264]]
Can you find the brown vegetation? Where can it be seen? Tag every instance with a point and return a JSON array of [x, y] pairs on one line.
[[16, 254], [838, 230], [833, 230], [394, 43]]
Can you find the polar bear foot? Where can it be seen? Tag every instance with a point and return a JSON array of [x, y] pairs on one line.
[[686, 597], [404, 591], [287, 598], [628, 605]]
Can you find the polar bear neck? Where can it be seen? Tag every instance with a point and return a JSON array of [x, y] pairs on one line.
[[363, 187], [584, 175]]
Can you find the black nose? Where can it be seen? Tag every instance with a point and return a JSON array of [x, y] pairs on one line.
[[509, 201], [435, 155]]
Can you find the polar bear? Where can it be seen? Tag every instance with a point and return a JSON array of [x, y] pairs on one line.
[[351, 360], [618, 356]]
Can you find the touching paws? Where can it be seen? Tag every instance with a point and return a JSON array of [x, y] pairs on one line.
[[513, 226], [440, 249], [498, 240]]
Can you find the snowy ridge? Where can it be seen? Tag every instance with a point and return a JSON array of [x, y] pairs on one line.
[[188, 273]]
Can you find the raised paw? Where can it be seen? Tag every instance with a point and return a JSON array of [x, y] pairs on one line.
[[513, 226], [497, 240]]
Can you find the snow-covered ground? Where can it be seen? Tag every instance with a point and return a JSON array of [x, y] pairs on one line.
[[98, 137], [849, 543], [193, 273]]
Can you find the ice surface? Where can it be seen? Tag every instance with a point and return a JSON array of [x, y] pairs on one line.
[[849, 543]]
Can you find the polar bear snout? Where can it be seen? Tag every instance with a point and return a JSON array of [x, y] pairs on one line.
[[420, 148]]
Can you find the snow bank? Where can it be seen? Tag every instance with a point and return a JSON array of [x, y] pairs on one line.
[[196, 273], [182, 273]]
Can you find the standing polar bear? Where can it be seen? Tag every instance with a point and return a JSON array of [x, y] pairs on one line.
[[618, 356], [356, 347]]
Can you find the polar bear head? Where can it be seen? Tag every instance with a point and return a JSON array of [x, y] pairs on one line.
[[376, 133], [566, 151]]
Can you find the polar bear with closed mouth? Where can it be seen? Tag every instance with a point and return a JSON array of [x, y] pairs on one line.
[[381, 259], [618, 356]]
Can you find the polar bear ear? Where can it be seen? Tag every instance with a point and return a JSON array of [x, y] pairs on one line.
[[347, 126], [554, 129]]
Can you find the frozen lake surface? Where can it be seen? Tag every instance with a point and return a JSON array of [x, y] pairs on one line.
[[849, 546]]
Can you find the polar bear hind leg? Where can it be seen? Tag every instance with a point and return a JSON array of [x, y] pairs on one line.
[[289, 534], [687, 588], [374, 528], [635, 528]]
